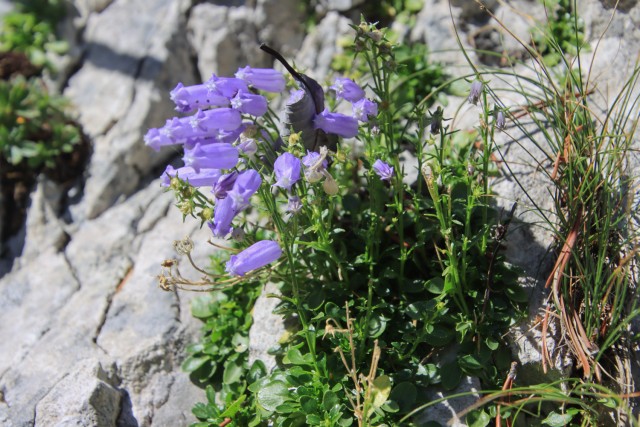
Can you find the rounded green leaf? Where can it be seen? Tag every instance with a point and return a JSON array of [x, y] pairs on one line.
[[272, 395], [451, 375], [404, 395]]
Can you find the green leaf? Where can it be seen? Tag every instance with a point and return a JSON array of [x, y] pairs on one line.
[[329, 400], [203, 411], [201, 307], [233, 372], [272, 395], [381, 388], [234, 407], [477, 418], [192, 363], [450, 375], [516, 293], [420, 309], [295, 357], [309, 404], [313, 420], [439, 336], [377, 325], [470, 364], [435, 285], [555, 419], [404, 395], [491, 343]]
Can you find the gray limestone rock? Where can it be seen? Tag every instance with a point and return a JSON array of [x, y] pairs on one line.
[[86, 396], [321, 45], [267, 328], [122, 89]]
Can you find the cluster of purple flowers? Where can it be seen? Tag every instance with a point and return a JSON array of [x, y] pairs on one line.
[[213, 138]]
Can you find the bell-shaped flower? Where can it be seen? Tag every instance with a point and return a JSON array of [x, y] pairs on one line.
[[202, 178], [249, 103], [255, 256], [294, 205], [339, 124], [160, 137], [226, 86], [383, 170], [314, 166], [224, 184], [287, 170], [205, 121], [330, 186], [347, 89], [475, 92], [247, 183], [500, 120], [364, 109], [266, 79], [223, 215], [211, 156], [248, 146], [189, 98]]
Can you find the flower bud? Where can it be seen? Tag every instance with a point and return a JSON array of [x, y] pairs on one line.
[[237, 234], [330, 186], [206, 214]]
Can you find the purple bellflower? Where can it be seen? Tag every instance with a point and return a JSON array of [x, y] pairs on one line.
[[314, 166], [294, 205], [347, 89], [203, 178], [224, 185], [255, 256], [266, 79], [287, 169], [160, 137], [223, 215], [248, 146], [211, 156], [188, 98], [247, 183], [339, 124], [249, 103], [475, 92], [219, 118], [364, 109], [500, 120], [225, 86], [383, 170]]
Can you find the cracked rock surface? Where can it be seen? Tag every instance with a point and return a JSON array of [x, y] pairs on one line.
[[86, 336]]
